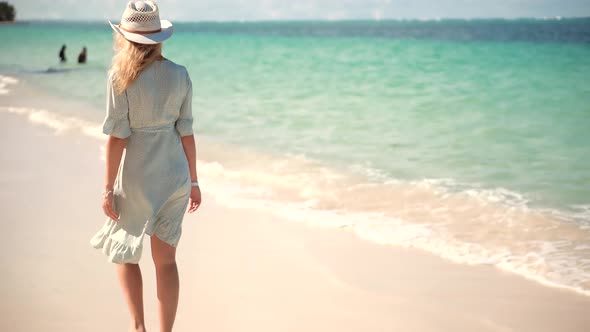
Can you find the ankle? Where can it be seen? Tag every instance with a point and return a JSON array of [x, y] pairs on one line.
[[137, 327]]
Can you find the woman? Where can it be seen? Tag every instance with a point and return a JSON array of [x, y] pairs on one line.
[[148, 187]]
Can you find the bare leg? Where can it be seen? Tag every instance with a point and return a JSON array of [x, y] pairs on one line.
[[164, 257], [132, 285]]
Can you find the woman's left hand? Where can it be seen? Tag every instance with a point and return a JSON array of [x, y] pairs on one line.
[[195, 200], [107, 206]]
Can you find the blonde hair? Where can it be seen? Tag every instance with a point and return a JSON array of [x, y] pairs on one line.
[[130, 59]]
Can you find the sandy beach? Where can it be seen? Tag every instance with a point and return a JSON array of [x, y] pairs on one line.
[[241, 269]]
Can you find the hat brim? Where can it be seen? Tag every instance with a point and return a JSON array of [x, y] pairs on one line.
[[150, 39]]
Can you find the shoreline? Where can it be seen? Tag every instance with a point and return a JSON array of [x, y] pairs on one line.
[[285, 206], [242, 268]]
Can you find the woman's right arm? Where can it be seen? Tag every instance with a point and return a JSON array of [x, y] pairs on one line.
[[184, 125], [190, 150]]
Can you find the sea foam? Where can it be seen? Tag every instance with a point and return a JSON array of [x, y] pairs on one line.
[[473, 226], [464, 223], [467, 225], [59, 123], [5, 82]]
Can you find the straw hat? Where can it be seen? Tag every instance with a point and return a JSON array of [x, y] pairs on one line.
[[141, 23]]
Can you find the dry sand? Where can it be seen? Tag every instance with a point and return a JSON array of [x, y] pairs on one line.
[[241, 269]]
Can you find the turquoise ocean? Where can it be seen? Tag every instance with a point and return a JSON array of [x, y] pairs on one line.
[[469, 139]]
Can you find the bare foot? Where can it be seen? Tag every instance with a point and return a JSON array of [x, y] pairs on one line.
[[137, 329]]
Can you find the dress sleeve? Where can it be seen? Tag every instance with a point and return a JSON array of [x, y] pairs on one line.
[[184, 124], [116, 122]]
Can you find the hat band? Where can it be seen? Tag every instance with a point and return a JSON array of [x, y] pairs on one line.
[[140, 32]]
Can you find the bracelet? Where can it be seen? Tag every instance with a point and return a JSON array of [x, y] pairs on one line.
[[107, 193], [195, 184]]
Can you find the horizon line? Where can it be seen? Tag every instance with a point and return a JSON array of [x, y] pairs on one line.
[[548, 18]]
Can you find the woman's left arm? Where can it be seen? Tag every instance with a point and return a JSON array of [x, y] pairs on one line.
[[116, 125], [114, 153]]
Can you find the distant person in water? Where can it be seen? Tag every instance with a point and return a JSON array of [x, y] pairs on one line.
[[62, 54], [82, 56]]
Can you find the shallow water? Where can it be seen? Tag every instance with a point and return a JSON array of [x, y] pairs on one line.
[[468, 139]]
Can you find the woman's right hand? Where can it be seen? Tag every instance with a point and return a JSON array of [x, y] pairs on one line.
[[195, 200], [107, 205]]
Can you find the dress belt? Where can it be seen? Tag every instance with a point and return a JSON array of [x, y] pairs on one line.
[[166, 127]]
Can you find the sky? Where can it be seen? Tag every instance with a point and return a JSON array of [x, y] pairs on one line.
[[252, 10]]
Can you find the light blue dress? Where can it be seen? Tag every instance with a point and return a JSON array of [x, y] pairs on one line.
[[153, 185]]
